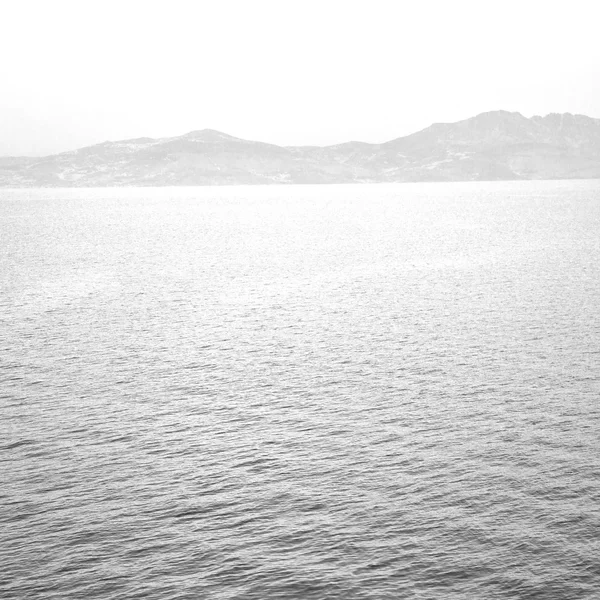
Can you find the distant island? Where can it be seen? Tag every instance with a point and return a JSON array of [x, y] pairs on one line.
[[496, 145]]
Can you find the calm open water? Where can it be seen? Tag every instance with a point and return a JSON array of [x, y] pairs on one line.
[[304, 392]]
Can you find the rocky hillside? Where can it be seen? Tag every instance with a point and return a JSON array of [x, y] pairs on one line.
[[490, 146]]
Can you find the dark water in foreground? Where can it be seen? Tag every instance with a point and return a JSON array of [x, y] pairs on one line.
[[342, 392]]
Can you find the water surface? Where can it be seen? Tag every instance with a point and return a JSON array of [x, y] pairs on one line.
[[345, 392]]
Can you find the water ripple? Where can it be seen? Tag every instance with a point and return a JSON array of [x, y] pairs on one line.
[[324, 393]]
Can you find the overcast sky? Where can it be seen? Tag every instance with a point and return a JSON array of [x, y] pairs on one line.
[[285, 71]]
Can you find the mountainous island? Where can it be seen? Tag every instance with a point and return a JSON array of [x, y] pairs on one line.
[[496, 145]]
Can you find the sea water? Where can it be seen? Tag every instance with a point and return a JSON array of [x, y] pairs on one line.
[[311, 392]]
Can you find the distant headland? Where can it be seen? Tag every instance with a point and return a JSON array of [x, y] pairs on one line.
[[496, 145]]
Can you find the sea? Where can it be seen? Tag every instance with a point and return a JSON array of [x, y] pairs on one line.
[[320, 392]]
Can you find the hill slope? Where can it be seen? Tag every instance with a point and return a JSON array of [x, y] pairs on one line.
[[493, 145]]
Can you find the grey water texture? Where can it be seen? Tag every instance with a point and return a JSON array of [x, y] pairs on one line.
[[307, 392]]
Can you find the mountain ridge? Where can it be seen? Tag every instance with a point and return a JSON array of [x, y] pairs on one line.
[[490, 146]]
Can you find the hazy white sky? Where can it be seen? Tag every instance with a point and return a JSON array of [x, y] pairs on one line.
[[74, 73]]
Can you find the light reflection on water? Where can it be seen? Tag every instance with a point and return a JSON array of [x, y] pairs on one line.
[[301, 392]]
